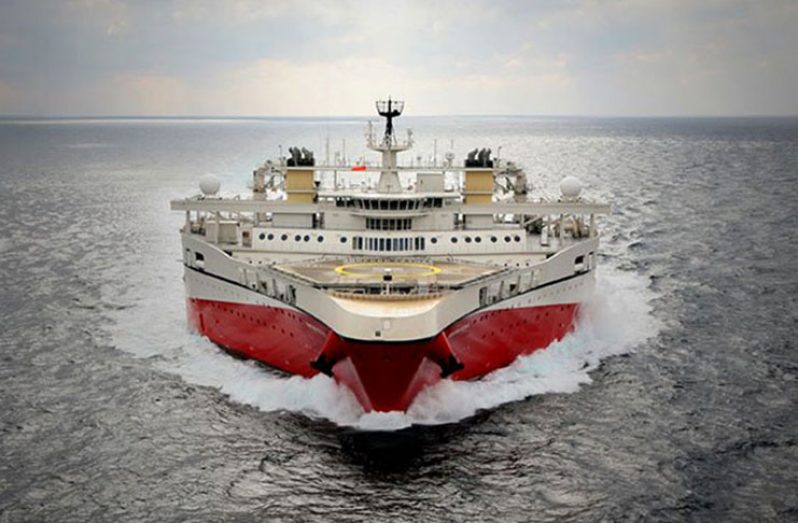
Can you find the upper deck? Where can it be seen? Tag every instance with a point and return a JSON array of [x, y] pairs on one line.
[[478, 211]]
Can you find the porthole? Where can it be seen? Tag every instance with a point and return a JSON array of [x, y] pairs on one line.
[[433, 240], [507, 239], [517, 238], [320, 239], [494, 239], [478, 239], [468, 239], [297, 238], [454, 239], [343, 239], [270, 236], [307, 238], [262, 236]]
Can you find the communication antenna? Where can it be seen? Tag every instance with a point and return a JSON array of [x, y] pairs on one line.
[[389, 109]]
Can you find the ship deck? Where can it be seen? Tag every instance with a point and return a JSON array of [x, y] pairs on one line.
[[334, 273]]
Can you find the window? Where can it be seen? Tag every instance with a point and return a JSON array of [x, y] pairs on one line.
[[284, 237], [307, 238], [343, 239], [507, 239], [517, 238], [494, 239], [320, 238], [390, 224], [478, 239], [270, 236], [297, 238], [454, 239], [262, 236], [468, 239], [434, 240]]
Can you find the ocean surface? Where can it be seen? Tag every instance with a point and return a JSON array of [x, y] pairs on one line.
[[675, 399]]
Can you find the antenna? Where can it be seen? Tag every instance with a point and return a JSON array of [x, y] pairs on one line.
[[390, 110]]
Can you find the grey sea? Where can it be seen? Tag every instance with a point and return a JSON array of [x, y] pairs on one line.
[[675, 399]]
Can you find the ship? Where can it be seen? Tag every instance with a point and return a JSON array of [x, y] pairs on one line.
[[436, 270]]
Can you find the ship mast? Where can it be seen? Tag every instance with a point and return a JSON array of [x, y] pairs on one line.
[[389, 146]]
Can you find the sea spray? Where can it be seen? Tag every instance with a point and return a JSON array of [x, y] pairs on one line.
[[614, 321]]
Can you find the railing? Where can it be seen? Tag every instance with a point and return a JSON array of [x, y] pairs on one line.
[[387, 296]]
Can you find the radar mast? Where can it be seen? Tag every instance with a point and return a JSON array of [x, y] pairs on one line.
[[389, 110], [389, 147]]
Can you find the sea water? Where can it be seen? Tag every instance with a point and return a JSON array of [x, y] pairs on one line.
[[674, 398]]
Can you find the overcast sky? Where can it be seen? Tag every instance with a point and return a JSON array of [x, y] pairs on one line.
[[257, 57]]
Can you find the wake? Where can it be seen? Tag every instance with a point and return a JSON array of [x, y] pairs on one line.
[[616, 320]]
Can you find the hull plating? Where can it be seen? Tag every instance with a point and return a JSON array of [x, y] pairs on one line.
[[383, 376]]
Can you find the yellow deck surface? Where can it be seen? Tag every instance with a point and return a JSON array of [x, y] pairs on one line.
[[354, 273]]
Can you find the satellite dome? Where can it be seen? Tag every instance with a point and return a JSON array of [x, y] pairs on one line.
[[570, 186], [209, 185]]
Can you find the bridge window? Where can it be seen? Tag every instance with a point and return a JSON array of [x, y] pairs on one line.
[[388, 244], [389, 224]]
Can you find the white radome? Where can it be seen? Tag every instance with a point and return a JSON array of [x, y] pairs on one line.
[[209, 185], [570, 186]]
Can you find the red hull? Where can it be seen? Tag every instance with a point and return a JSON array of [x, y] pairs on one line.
[[383, 376]]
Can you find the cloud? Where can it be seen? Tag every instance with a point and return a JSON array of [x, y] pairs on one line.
[[112, 14], [317, 57], [149, 93], [349, 86], [9, 98]]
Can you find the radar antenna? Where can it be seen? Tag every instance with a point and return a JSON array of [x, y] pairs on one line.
[[389, 109]]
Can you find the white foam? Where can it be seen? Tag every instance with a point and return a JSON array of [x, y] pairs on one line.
[[616, 320]]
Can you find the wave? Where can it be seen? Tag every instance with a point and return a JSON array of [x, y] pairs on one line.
[[616, 320]]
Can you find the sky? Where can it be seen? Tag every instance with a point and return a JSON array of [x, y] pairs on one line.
[[325, 58]]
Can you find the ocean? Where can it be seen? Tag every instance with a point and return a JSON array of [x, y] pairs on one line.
[[676, 398]]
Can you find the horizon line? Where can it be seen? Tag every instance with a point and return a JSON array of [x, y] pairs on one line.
[[364, 116]]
